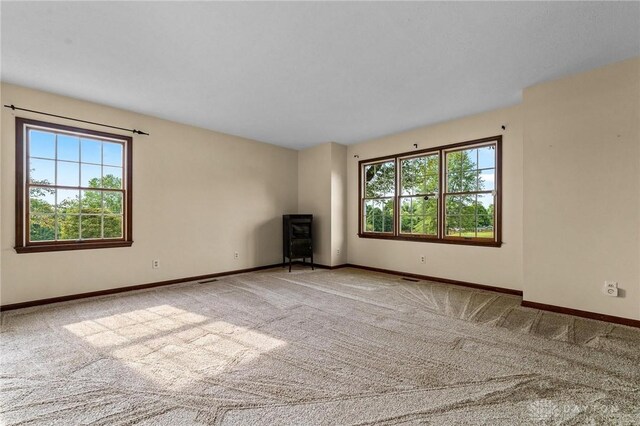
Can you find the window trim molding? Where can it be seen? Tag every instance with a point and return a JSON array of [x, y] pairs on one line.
[[22, 245], [441, 239]]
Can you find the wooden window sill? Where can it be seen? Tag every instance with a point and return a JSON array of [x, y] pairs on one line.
[[39, 248], [458, 241]]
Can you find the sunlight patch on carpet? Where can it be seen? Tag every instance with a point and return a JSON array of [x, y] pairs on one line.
[[172, 346]]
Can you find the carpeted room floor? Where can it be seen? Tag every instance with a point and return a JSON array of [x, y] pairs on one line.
[[345, 347]]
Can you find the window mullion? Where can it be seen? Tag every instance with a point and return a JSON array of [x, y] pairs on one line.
[[396, 201], [441, 183]]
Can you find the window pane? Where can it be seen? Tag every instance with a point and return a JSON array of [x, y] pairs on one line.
[[91, 151], [68, 226], [430, 225], [112, 154], [453, 171], [419, 175], [486, 180], [113, 227], [467, 205], [406, 223], [468, 226], [68, 201], [487, 157], [457, 205], [419, 216], [112, 177], [486, 232], [453, 205], [68, 173], [412, 174], [42, 144], [462, 171], [68, 147], [112, 202], [42, 200], [42, 172], [379, 180], [91, 175], [486, 200], [368, 221], [486, 216], [91, 226], [42, 227], [472, 156], [407, 214], [470, 216], [452, 226], [378, 215], [91, 202]]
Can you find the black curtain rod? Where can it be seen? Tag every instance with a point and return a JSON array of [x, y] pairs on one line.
[[137, 132]]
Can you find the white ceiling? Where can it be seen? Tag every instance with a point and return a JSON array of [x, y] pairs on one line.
[[297, 74]]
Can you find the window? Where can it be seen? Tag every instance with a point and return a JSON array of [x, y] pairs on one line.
[[379, 195], [74, 188], [419, 182], [469, 195], [449, 194]]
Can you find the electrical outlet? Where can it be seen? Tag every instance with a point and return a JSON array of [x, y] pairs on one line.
[[338, 251], [236, 255], [155, 263], [610, 288], [423, 259]]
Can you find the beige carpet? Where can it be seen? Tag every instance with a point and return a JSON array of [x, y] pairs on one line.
[[341, 347]]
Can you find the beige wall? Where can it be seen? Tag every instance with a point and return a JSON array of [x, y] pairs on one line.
[[582, 190], [338, 204], [322, 193], [198, 197], [501, 267], [314, 196], [572, 148], [1, 195]]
